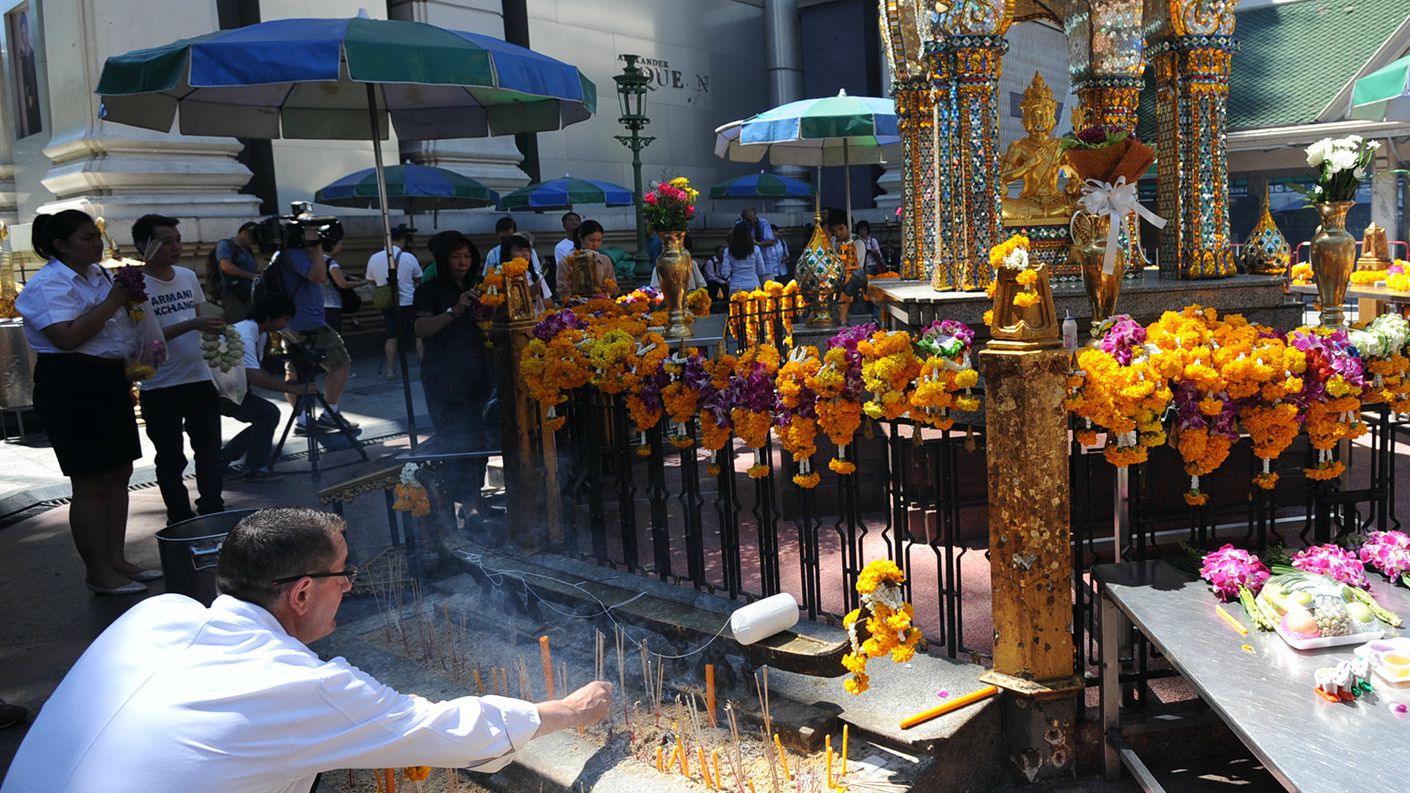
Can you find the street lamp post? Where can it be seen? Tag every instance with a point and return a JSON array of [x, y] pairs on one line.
[[631, 91]]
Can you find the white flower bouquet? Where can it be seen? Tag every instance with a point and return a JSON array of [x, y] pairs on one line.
[[1342, 164]]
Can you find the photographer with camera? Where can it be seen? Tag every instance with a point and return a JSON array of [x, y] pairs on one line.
[[179, 395], [269, 314], [302, 270]]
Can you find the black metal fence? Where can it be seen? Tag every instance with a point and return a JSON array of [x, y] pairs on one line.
[[634, 501]]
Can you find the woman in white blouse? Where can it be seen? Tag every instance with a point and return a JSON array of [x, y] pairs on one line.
[[75, 320], [744, 266]]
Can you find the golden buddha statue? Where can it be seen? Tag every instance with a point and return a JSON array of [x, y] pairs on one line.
[[1038, 161]]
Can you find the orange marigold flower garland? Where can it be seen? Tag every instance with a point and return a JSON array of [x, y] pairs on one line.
[[796, 417], [889, 367], [1116, 387], [697, 302], [553, 362], [885, 616], [1302, 273], [715, 407], [515, 267], [681, 396], [946, 372], [1332, 387], [1012, 254], [644, 381], [838, 385], [752, 392]]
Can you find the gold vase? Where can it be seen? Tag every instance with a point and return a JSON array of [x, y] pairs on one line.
[[1088, 253], [673, 268], [1333, 258]]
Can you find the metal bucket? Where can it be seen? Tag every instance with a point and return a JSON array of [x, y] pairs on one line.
[[190, 550]]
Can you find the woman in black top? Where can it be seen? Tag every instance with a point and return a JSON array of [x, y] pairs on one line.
[[457, 375]]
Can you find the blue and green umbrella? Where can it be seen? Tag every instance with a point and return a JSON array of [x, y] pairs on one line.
[[345, 79], [1383, 95], [762, 185], [565, 193], [413, 189]]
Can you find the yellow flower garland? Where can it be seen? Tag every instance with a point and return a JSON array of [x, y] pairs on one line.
[[886, 617]]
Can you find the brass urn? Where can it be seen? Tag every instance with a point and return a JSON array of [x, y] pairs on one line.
[[673, 268], [1333, 258], [1088, 254]]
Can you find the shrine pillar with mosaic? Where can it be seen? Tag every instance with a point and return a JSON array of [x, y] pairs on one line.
[[904, 30], [1190, 44], [951, 233], [974, 32], [1106, 60]]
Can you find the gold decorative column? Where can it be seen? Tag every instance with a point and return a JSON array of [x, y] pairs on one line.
[[1029, 538], [1191, 46]]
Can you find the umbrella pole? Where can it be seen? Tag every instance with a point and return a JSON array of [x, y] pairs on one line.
[[391, 265], [847, 181], [817, 193]]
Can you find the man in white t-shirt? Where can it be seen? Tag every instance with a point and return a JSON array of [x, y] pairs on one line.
[[408, 276], [267, 315], [565, 246], [180, 394]]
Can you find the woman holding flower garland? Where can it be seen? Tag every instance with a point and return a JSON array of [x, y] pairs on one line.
[[74, 320], [457, 374], [744, 266]]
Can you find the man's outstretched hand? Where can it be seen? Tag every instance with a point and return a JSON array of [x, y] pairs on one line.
[[587, 705]]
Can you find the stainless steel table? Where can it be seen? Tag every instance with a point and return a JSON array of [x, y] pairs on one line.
[[1266, 697]]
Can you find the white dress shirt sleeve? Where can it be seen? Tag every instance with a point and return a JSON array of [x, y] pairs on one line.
[[386, 729]]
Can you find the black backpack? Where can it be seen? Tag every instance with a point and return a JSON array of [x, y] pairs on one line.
[[272, 280]]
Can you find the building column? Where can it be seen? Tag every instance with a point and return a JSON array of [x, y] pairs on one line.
[[783, 58], [1192, 94], [122, 172]]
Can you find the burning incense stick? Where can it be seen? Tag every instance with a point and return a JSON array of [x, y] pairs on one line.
[[715, 759], [601, 657], [547, 658], [680, 749], [704, 769], [710, 693], [734, 740], [844, 750], [660, 764], [782, 757], [829, 761]]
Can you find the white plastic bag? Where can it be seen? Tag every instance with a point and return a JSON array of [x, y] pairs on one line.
[[225, 354]]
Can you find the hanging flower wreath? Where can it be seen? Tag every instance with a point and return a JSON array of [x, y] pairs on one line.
[[838, 386], [1382, 346], [697, 302], [795, 414], [681, 396], [946, 372], [716, 407], [752, 396], [886, 617], [1117, 387], [1331, 390], [889, 368]]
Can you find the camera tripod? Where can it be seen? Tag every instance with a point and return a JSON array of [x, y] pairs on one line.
[[304, 405]]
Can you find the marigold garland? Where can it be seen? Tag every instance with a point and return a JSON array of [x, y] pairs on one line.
[[411, 496], [885, 616], [889, 368], [795, 415]]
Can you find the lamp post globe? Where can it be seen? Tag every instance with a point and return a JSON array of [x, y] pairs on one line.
[[631, 93]]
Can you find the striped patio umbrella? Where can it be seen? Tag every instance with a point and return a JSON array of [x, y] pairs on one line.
[[412, 189], [762, 185], [346, 79], [565, 193], [836, 130], [1383, 95]]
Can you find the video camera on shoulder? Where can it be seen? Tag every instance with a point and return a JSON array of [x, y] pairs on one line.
[[287, 231]]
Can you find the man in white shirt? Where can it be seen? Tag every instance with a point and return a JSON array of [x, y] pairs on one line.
[[408, 276], [565, 246], [504, 228], [176, 697], [180, 393]]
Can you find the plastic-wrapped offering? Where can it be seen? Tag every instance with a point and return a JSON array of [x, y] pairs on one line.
[[1310, 610]]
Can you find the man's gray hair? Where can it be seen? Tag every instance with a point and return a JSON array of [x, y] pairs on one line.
[[273, 544]]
